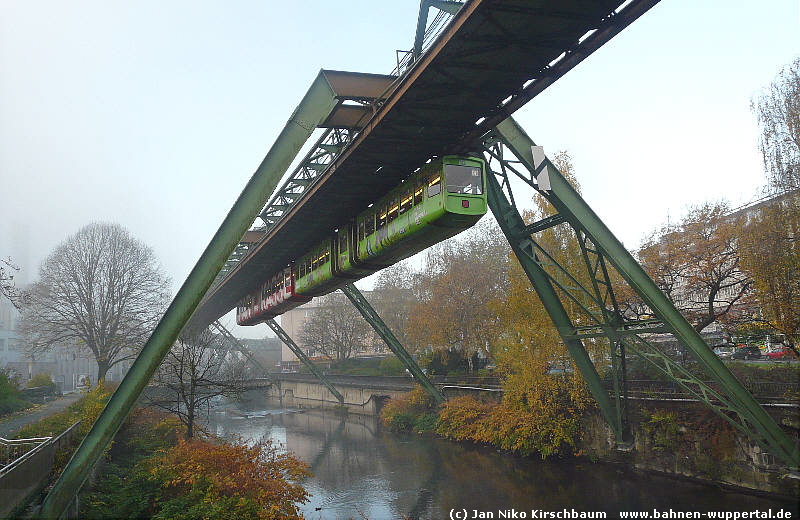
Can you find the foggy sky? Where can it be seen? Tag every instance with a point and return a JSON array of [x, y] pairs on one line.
[[154, 115]]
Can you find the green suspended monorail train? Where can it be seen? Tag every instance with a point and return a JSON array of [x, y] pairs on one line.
[[442, 198]]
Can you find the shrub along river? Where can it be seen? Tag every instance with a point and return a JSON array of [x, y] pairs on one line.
[[363, 471]]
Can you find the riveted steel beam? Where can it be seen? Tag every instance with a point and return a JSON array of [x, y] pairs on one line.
[[513, 227], [237, 345], [730, 400], [378, 325]]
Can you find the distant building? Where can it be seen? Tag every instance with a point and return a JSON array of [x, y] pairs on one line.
[[66, 364], [294, 320]]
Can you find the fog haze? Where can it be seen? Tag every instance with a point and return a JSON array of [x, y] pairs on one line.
[[154, 115]]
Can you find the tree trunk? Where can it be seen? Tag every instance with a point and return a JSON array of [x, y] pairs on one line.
[[102, 370], [190, 422]]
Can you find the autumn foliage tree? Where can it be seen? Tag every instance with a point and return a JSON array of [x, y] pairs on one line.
[[543, 394], [771, 239], [697, 263], [771, 255], [207, 479], [460, 278]]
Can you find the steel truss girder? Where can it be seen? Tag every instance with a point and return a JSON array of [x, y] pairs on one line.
[[378, 325], [285, 338], [233, 343], [513, 226], [324, 152], [597, 304]]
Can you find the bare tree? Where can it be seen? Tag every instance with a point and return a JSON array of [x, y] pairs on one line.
[[335, 328], [7, 288], [778, 113], [100, 290], [394, 297], [197, 369]]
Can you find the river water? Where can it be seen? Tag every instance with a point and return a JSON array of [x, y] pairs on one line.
[[362, 471]]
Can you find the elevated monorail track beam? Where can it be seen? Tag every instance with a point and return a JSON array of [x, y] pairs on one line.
[[442, 104]]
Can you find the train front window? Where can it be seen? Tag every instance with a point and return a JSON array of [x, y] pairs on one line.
[[435, 186], [466, 180]]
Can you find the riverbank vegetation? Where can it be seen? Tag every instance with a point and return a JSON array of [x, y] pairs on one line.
[[151, 471], [11, 400]]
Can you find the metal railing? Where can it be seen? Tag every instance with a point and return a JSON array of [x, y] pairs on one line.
[[14, 452]]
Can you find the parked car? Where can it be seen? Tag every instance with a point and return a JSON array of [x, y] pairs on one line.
[[779, 353], [724, 352], [747, 353]]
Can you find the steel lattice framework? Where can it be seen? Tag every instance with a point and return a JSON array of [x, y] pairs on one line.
[[597, 315]]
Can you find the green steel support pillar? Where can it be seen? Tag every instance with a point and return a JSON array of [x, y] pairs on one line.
[[283, 336], [316, 105], [574, 209], [230, 338], [374, 319], [513, 227]]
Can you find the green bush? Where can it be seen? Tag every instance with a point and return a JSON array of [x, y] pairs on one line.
[[40, 379], [391, 366], [426, 423], [415, 411], [10, 399]]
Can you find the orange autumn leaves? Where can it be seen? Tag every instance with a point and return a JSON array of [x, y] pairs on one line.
[[210, 479]]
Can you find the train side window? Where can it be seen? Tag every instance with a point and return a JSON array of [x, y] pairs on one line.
[[381, 217], [361, 228], [418, 194], [405, 202], [393, 207], [369, 226], [435, 185]]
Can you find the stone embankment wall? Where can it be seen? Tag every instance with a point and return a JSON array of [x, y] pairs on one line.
[[687, 440], [362, 395]]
